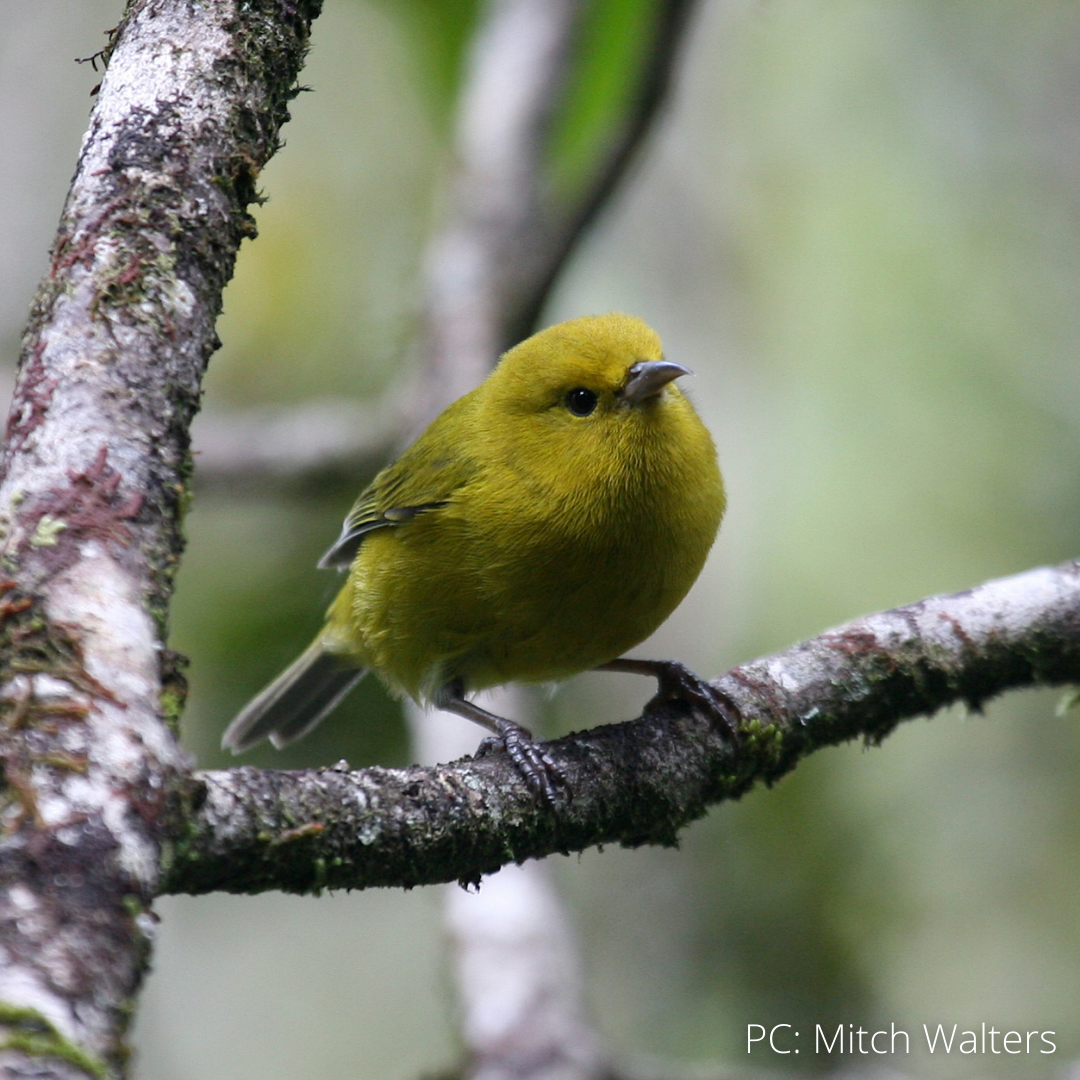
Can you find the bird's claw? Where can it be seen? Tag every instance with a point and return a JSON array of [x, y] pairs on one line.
[[538, 769], [678, 683]]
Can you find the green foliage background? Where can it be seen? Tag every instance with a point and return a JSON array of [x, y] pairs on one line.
[[860, 226]]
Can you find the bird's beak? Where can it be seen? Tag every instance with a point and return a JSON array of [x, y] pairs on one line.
[[648, 377]]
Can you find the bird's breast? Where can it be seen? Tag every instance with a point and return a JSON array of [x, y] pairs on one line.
[[541, 566]]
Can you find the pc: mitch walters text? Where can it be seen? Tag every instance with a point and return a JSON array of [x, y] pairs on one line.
[[940, 1039]]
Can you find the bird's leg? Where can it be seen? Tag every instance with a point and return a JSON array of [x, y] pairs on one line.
[[537, 768], [678, 683]]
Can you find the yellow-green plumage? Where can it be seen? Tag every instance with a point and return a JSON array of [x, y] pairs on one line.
[[515, 540]]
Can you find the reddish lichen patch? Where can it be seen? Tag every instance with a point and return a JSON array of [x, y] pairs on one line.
[[957, 628], [46, 691], [853, 643], [31, 403], [89, 507]]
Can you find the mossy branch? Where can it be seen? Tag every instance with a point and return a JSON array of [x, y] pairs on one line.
[[93, 484], [248, 830]]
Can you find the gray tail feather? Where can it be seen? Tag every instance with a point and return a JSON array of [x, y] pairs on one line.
[[302, 695]]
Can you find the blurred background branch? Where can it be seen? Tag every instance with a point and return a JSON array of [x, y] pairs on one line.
[[509, 230], [314, 442]]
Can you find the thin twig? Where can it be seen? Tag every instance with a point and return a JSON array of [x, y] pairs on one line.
[[505, 241], [651, 95]]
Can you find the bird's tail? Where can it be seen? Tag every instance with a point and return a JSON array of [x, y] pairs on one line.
[[295, 701]]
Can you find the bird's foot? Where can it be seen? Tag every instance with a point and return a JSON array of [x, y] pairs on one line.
[[678, 683], [537, 767]]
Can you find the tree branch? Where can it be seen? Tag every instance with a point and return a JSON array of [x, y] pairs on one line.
[[94, 479], [565, 230], [521, 997], [293, 445], [244, 830], [505, 240]]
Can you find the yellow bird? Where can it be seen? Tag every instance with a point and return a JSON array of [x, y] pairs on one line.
[[542, 525]]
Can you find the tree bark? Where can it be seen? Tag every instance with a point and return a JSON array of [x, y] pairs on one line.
[[94, 481]]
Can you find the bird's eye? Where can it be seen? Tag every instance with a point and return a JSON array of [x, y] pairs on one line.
[[581, 402]]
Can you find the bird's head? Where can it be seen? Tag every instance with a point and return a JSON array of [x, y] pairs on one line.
[[592, 404], [597, 368]]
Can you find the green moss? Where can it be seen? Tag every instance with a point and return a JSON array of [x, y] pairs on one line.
[[48, 529], [172, 705], [33, 1034], [174, 688], [29, 644], [765, 742]]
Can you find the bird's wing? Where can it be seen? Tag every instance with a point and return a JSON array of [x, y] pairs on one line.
[[418, 482], [365, 517]]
